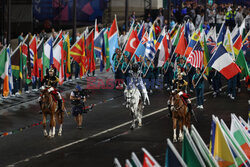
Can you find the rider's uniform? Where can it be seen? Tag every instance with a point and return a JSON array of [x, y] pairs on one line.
[[51, 81], [136, 81]]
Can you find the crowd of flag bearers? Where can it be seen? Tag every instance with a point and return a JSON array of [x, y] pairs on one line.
[[196, 56]]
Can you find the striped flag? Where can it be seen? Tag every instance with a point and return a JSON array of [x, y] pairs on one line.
[[150, 46], [196, 56], [149, 159]]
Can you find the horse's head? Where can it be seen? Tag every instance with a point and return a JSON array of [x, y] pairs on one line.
[[45, 97], [174, 98]]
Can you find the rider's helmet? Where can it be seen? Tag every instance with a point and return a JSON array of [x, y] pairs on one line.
[[51, 71], [78, 87]]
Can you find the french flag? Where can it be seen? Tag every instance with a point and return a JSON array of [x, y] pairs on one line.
[[222, 62]]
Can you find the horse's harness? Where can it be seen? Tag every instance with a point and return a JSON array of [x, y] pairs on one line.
[[176, 109], [43, 92]]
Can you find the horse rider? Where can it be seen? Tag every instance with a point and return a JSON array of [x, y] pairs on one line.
[[51, 81], [136, 80], [181, 85], [78, 98]]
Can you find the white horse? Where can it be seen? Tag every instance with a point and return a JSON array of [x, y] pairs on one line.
[[135, 105]]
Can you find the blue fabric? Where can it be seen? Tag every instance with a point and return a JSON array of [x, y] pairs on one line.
[[199, 94]]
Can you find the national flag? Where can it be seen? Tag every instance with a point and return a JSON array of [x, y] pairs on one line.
[[145, 38], [140, 50], [241, 62], [194, 39], [228, 44], [150, 46], [206, 56], [9, 72], [66, 55], [117, 163], [48, 53], [222, 33], [135, 161], [148, 159], [3, 60], [245, 125], [219, 146], [196, 56], [222, 62], [141, 31], [160, 38], [113, 36], [15, 60], [40, 54], [201, 146], [23, 63], [99, 48], [182, 44], [173, 32], [132, 43], [242, 28], [4, 66], [33, 56], [211, 45], [237, 45], [190, 154], [90, 51], [238, 134], [242, 160], [246, 42], [235, 33], [177, 36], [58, 60], [173, 158], [106, 50], [77, 52], [163, 54]]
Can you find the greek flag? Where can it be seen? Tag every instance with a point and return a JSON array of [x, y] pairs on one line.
[[150, 46]]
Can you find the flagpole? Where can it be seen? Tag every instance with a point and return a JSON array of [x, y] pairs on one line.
[[131, 28]]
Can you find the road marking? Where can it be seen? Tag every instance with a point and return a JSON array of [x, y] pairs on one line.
[[95, 135]]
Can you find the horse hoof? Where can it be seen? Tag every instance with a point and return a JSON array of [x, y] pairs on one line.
[[132, 127], [59, 134], [140, 125], [174, 140]]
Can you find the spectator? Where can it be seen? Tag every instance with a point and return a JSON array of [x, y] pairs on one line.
[[191, 26], [220, 17], [43, 34], [198, 18], [239, 17], [198, 83], [133, 15], [211, 17], [149, 17], [20, 38], [161, 19]]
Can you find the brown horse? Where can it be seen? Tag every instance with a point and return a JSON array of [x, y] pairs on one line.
[[49, 107], [180, 114]]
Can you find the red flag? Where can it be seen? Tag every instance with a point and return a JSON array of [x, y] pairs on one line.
[[90, 51], [182, 44], [113, 29], [148, 160], [132, 43], [33, 51]]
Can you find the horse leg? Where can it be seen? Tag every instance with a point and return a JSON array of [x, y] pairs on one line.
[[188, 120], [44, 125], [52, 126], [59, 120], [133, 120], [180, 138], [174, 127]]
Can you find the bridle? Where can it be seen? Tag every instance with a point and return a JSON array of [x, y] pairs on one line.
[[174, 105]]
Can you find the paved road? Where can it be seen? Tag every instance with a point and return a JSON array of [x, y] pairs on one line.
[[105, 132]]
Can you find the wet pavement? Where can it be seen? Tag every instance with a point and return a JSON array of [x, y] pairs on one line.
[[106, 129]]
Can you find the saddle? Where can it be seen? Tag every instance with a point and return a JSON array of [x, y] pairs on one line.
[[184, 97]]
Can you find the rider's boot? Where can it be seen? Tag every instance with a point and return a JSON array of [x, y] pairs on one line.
[[189, 107], [60, 105]]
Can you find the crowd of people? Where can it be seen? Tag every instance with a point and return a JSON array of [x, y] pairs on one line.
[[174, 74]]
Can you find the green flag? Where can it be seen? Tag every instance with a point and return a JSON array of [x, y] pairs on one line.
[[206, 56], [241, 61], [3, 59], [106, 45], [177, 37], [190, 154]]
